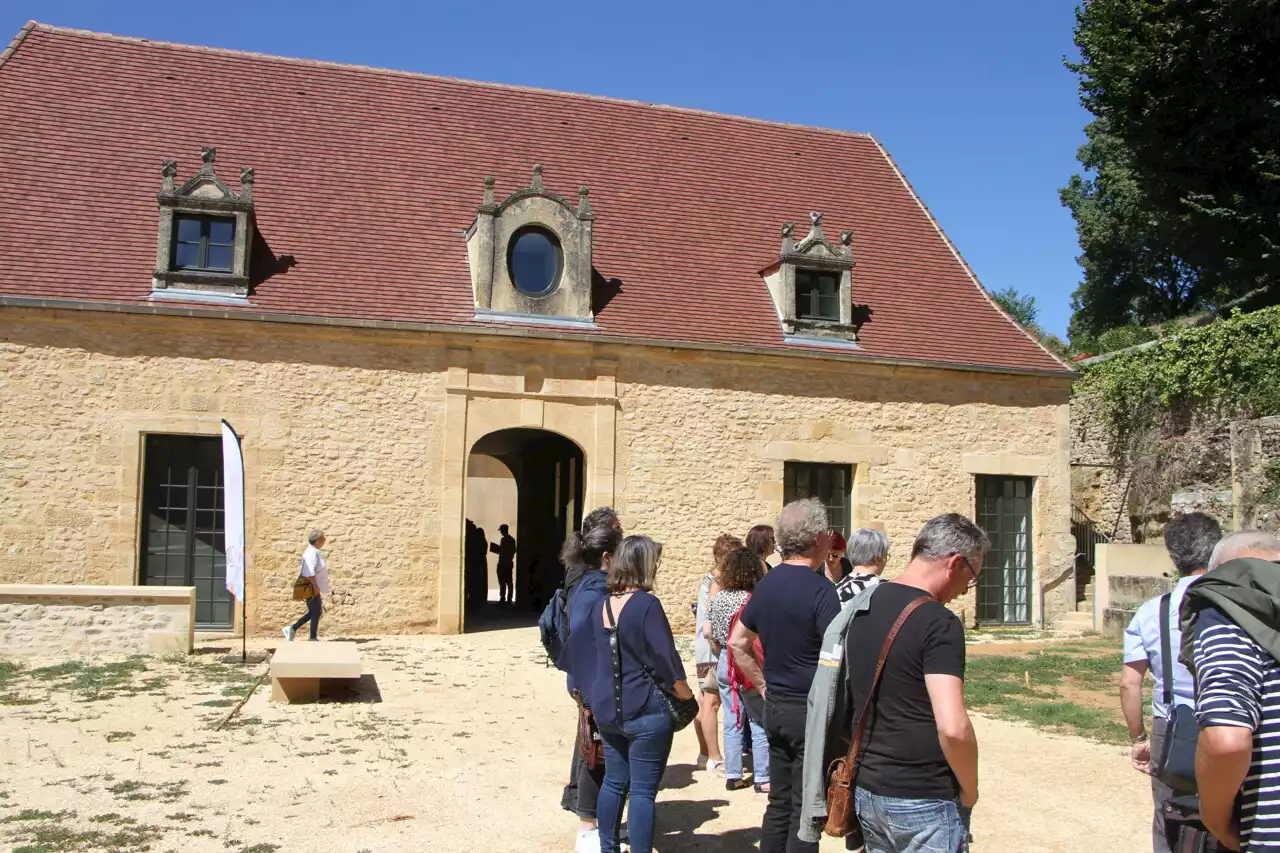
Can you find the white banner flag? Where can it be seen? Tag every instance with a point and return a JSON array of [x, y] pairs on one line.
[[233, 502]]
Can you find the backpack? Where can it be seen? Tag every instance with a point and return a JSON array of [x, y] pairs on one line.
[[738, 680], [553, 624]]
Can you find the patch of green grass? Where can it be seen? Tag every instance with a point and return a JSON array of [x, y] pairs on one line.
[[112, 737], [216, 703], [260, 848], [35, 814], [182, 817], [45, 832], [133, 790], [92, 682]]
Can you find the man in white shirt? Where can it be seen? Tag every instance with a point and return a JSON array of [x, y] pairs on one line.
[[316, 571], [1190, 540]]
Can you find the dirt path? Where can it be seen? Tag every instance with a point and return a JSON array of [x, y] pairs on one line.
[[466, 751]]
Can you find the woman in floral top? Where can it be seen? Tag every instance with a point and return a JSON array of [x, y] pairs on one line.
[[739, 573]]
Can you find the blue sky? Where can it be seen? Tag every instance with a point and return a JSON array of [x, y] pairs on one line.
[[970, 98]]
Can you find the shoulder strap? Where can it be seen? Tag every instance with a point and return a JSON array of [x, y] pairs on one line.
[[1166, 656], [616, 650], [849, 768]]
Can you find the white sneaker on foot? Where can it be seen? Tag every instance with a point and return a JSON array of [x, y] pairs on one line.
[[588, 842], [715, 768], [287, 630]]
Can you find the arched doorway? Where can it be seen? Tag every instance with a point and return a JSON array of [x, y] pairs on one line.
[[532, 481]]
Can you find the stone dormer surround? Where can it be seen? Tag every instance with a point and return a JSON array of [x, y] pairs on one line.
[[815, 252], [489, 241], [204, 194]]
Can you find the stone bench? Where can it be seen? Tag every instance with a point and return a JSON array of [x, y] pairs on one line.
[[297, 668], [63, 620]]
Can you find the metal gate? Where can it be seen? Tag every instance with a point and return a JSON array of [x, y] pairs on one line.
[[183, 538], [1004, 588]]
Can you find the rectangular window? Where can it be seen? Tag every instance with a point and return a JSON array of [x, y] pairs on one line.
[[1004, 587], [828, 483], [183, 532], [817, 295], [204, 243]]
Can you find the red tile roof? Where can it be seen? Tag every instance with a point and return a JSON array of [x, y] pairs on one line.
[[368, 179]]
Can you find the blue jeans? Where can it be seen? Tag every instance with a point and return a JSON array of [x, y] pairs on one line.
[[733, 732], [894, 825], [635, 758], [314, 609]]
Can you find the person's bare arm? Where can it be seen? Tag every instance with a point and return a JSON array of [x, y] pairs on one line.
[[741, 642], [682, 690], [955, 732], [1131, 676], [1223, 754]]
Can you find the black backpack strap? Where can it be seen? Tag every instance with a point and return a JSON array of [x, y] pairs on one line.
[[616, 648], [1166, 655]]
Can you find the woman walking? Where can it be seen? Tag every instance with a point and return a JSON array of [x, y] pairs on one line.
[[738, 575], [628, 703], [315, 571]]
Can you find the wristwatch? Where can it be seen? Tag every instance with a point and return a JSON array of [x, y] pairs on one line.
[[1142, 738]]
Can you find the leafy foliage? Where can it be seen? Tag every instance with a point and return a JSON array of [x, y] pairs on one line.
[[1022, 307], [1123, 337], [1179, 207]]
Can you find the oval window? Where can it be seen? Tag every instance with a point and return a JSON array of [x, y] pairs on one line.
[[534, 260]]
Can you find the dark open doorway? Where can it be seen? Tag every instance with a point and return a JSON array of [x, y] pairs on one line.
[[532, 481]]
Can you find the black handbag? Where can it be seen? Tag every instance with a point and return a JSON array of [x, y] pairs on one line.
[[681, 711], [1176, 763]]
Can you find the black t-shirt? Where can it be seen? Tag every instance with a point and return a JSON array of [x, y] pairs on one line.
[[790, 610], [902, 756]]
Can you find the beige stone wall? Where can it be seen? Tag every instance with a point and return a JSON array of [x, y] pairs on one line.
[[94, 621], [366, 433]]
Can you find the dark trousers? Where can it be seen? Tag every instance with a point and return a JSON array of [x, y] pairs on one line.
[[784, 719], [506, 588], [583, 791], [1159, 790], [314, 609]]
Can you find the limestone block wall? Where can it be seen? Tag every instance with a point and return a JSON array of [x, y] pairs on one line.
[[95, 621]]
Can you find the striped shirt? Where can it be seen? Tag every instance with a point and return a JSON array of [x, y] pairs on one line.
[[1239, 685]]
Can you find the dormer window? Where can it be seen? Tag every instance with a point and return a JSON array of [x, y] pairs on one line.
[[812, 287], [817, 295], [206, 230], [530, 256], [204, 243]]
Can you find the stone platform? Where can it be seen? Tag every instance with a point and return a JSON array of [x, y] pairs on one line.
[[298, 667]]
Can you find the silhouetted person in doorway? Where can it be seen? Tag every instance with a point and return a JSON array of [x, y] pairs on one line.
[[476, 563], [505, 548]]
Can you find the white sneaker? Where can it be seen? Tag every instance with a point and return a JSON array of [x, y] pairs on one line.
[[715, 768], [588, 842], [287, 630]]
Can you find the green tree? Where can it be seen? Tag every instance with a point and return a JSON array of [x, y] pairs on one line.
[[1179, 207], [1022, 307]]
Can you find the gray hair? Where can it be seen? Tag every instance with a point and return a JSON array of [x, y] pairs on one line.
[[1190, 540], [315, 535], [1244, 543], [635, 565], [799, 526], [867, 545], [949, 534]]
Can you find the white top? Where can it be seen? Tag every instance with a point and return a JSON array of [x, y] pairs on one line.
[[314, 566], [1142, 642]]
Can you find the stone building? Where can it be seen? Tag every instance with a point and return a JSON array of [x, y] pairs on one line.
[[423, 300]]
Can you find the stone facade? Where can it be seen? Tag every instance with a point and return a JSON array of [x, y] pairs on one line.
[[91, 621], [366, 433]]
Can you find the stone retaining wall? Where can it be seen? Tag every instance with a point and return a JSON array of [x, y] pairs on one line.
[[80, 621]]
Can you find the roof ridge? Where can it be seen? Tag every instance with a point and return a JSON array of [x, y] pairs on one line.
[[351, 66], [933, 220], [17, 40]]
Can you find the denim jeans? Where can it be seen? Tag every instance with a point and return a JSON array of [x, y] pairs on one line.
[[634, 760], [734, 730], [314, 609], [894, 825], [784, 721]]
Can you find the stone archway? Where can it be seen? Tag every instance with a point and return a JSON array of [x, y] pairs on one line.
[[532, 481]]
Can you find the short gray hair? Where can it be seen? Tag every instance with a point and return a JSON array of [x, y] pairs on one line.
[[315, 535], [867, 545], [799, 526], [1244, 542], [949, 534]]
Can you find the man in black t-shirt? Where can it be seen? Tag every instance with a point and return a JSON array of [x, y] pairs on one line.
[[789, 610], [918, 776]]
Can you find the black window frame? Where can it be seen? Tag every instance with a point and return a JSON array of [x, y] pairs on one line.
[[810, 301], [805, 480], [205, 225], [1005, 509]]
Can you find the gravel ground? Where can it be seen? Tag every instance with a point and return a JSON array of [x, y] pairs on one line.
[[454, 744]]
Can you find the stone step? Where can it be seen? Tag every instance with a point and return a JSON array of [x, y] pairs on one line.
[[1074, 623]]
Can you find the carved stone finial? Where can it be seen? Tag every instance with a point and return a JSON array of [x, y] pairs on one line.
[[208, 154], [584, 204], [246, 183], [537, 177], [788, 229], [788, 241], [169, 171], [488, 191], [816, 219], [846, 238]]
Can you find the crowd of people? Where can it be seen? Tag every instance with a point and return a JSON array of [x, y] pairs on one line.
[[886, 658]]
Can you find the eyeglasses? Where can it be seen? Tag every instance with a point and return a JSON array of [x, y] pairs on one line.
[[974, 582]]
